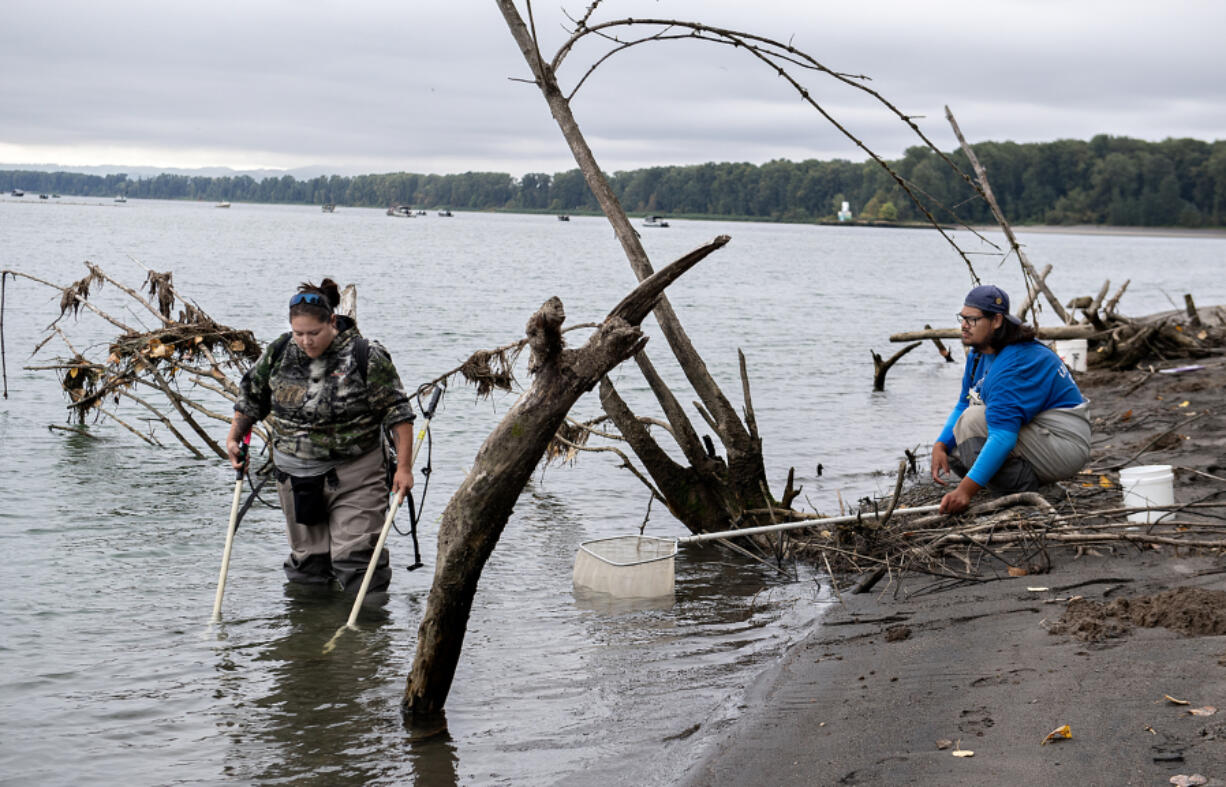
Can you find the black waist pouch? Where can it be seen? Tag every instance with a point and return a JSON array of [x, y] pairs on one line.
[[310, 506]]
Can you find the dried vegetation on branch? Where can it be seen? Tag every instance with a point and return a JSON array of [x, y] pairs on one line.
[[146, 366]]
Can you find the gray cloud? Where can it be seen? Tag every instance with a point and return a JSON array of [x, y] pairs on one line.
[[381, 86]]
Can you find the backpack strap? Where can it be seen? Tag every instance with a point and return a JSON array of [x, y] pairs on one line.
[[361, 354], [277, 348]]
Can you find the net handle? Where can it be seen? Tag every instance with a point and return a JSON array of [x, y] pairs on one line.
[[837, 520]]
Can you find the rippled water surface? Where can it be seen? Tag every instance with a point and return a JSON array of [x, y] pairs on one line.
[[107, 668]]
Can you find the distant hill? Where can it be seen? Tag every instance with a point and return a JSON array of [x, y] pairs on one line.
[[1106, 180]]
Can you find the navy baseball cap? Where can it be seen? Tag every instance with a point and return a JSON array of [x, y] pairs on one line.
[[990, 299]]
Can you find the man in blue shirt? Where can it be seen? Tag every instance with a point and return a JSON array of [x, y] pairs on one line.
[[1020, 420]]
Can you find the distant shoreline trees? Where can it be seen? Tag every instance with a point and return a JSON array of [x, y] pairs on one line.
[[1107, 180]]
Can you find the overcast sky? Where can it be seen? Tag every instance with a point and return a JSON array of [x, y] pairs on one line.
[[377, 86]]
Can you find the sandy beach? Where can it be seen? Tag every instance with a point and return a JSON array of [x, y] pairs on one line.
[[892, 683]]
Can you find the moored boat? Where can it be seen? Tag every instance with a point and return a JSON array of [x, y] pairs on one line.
[[654, 221], [328, 208], [403, 211]]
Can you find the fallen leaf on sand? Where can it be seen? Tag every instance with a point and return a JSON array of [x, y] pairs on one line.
[[1058, 734], [1180, 780], [1017, 571], [1184, 403], [1208, 710], [1150, 730], [1174, 701], [944, 743], [962, 753]]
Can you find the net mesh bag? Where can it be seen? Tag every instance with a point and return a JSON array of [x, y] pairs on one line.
[[627, 566]]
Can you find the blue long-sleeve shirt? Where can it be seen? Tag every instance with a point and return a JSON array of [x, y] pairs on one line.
[[1015, 384]]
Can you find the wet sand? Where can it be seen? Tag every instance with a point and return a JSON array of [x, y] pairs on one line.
[[872, 694]]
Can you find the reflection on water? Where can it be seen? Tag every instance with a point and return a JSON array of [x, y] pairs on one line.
[[112, 548], [313, 708]]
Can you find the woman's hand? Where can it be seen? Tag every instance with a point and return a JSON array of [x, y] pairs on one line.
[[402, 482], [234, 448], [240, 425]]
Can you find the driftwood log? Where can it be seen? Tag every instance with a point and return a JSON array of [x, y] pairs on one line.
[[476, 514], [1054, 332], [881, 366]]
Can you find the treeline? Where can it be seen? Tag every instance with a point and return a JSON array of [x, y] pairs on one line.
[[1107, 180]]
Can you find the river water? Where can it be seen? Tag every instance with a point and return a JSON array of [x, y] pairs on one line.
[[107, 667]]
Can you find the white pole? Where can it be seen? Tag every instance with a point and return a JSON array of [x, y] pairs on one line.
[[837, 520], [387, 526], [225, 554]]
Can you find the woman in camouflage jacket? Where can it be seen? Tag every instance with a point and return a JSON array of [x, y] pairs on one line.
[[327, 393]]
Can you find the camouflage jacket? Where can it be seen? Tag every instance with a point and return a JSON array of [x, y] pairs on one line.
[[325, 408]]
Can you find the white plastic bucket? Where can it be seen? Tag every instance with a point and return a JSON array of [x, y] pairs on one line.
[[1072, 352], [1148, 485]]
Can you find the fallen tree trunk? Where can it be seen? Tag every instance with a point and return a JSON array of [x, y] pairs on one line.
[[1054, 332], [476, 514]]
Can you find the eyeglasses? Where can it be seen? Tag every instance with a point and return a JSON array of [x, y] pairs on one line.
[[968, 321], [312, 298]]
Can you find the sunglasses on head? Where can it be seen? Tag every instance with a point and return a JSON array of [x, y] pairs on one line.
[[314, 299]]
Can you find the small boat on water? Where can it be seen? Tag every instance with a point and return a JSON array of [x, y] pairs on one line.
[[17, 193], [223, 204], [403, 211], [421, 213], [445, 214], [43, 196], [121, 198], [328, 208], [654, 221], [563, 217], [55, 196]]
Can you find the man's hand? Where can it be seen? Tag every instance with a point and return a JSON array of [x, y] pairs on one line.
[[959, 499], [940, 462]]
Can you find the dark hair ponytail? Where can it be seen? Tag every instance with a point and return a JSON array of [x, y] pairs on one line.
[[1011, 333], [326, 289]]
